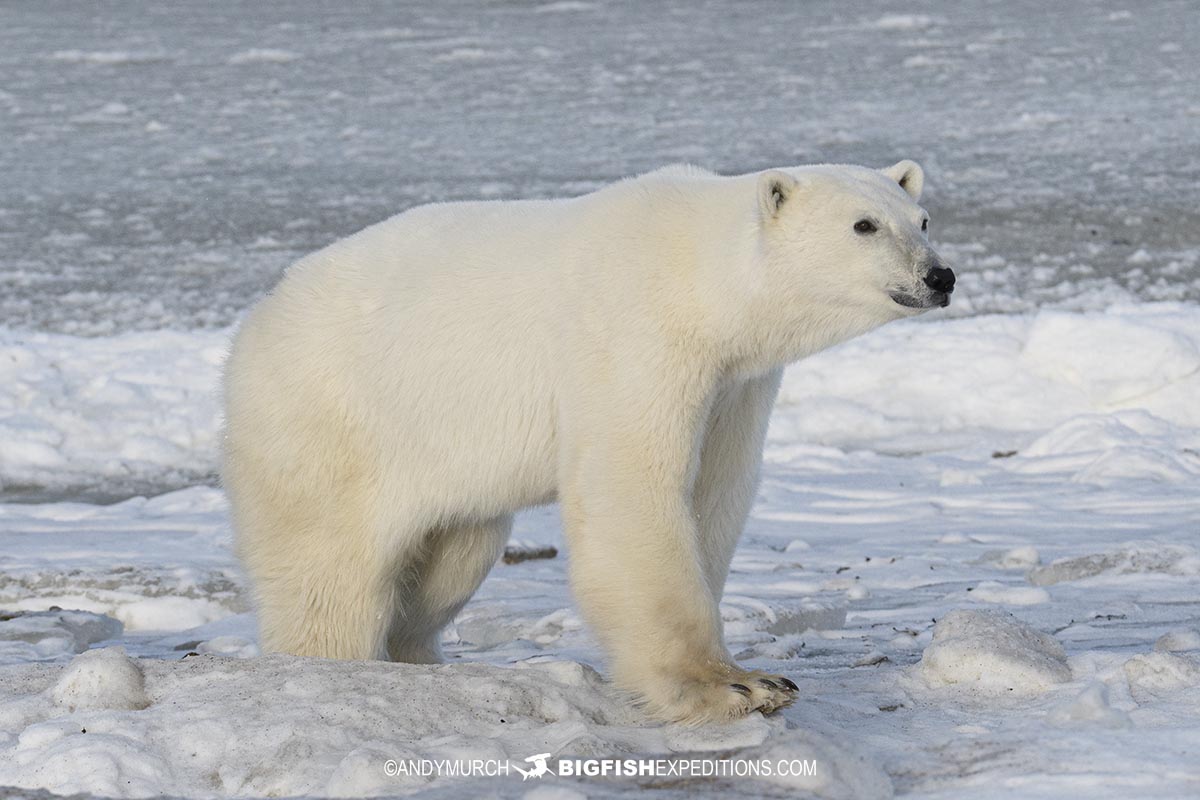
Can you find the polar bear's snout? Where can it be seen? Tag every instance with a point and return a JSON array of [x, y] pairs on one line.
[[941, 280], [936, 283]]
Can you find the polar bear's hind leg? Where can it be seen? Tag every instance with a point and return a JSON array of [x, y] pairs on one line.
[[433, 587], [321, 590]]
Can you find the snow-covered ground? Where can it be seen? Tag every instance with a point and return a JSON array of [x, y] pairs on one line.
[[922, 484], [977, 543]]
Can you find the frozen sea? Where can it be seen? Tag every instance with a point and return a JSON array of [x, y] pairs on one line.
[[163, 162], [977, 543]]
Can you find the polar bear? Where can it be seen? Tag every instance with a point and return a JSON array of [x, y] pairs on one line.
[[402, 392]]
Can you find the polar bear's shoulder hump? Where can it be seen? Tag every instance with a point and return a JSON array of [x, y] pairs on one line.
[[680, 171]]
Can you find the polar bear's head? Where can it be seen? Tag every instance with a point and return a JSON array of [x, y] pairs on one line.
[[849, 244]]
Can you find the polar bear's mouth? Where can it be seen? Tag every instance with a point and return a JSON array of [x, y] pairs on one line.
[[906, 300], [909, 301]]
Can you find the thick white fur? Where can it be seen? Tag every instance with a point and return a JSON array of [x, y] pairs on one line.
[[405, 390]]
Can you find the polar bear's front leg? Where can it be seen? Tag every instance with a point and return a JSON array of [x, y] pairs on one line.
[[638, 569], [730, 462]]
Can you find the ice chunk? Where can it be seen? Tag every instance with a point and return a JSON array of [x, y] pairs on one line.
[[171, 613], [491, 625], [993, 651], [1168, 559], [1106, 448], [1156, 674], [743, 614], [230, 646], [1019, 558], [1145, 463], [40, 635], [1176, 641], [1091, 707]]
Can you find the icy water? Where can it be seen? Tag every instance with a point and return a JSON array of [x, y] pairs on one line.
[[161, 163]]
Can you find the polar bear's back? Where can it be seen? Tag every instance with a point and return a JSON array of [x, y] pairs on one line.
[[410, 346], [436, 342], [444, 274]]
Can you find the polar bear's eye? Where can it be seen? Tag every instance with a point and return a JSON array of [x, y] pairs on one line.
[[865, 226], [925, 224]]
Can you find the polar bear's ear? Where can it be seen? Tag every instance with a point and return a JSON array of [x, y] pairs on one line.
[[774, 189], [909, 175]]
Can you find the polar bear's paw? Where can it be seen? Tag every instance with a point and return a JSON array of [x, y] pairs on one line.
[[766, 692], [722, 694]]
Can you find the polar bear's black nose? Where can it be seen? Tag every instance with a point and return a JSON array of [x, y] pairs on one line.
[[940, 279]]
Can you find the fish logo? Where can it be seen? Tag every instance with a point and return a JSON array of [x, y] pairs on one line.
[[538, 769]]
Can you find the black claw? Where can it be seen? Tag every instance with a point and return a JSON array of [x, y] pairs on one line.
[[791, 686], [770, 684], [739, 687]]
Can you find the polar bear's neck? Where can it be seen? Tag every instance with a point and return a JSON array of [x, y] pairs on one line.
[[702, 268]]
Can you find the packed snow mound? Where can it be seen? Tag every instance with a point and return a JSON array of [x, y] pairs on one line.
[[1154, 675], [949, 378], [1177, 641], [1105, 449], [1113, 359], [1090, 708], [326, 728], [1179, 560], [994, 652], [370, 711], [98, 680], [39, 636]]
